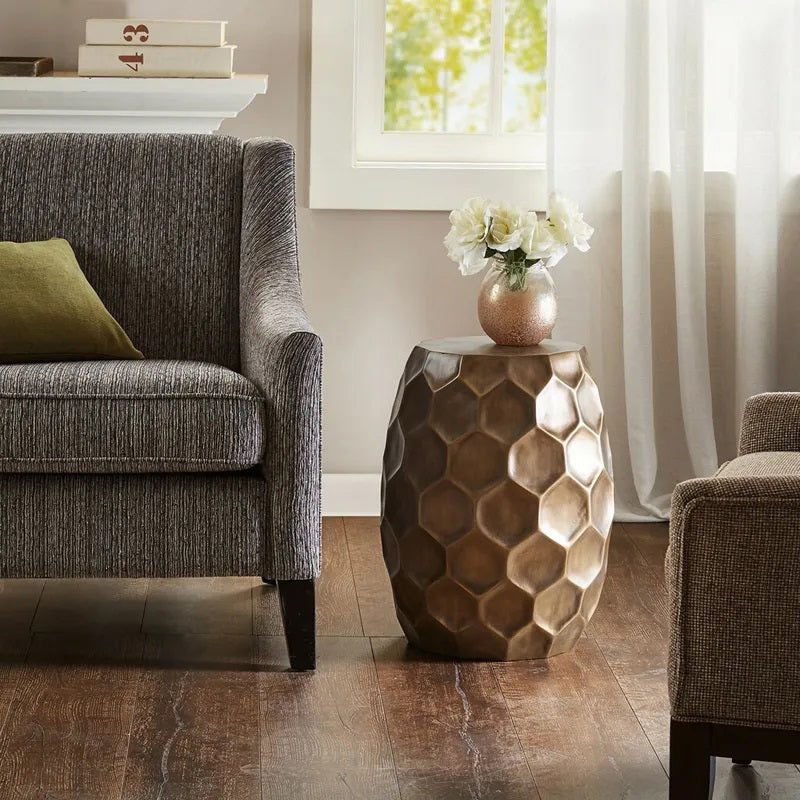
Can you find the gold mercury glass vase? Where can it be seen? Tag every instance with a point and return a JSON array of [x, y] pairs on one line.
[[517, 307]]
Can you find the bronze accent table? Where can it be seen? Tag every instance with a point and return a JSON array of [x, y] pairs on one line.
[[497, 498]]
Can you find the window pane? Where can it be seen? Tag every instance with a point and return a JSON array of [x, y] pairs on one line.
[[438, 64], [525, 62]]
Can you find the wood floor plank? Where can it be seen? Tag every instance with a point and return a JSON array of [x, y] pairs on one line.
[[631, 628], [580, 737], [195, 730], [199, 605], [13, 649], [451, 733], [323, 733], [374, 592], [66, 734], [19, 599], [337, 605], [91, 604], [651, 538]]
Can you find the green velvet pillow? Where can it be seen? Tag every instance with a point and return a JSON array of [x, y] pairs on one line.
[[49, 311]]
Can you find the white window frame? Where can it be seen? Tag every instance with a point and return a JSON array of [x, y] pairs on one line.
[[355, 165]]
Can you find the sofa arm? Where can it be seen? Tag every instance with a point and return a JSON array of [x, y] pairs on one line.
[[733, 569], [282, 355], [771, 421]]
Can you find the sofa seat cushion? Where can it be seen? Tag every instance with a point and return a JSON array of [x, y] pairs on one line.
[[128, 416], [762, 465]]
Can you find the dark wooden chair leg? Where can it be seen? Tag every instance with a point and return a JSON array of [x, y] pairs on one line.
[[691, 765], [299, 622], [269, 581]]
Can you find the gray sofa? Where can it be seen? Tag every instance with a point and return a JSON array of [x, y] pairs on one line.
[[203, 459], [733, 569]]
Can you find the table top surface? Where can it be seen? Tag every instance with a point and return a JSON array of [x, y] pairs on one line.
[[484, 346]]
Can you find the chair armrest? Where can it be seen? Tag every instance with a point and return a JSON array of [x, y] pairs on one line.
[[733, 572], [771, 421], [282, 355]]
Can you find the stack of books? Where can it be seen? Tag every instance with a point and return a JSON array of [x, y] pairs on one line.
[[155, 48]]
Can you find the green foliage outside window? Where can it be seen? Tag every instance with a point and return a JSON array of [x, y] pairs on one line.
[[438, 60]]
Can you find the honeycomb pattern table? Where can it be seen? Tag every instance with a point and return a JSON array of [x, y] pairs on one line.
[[497, 498]]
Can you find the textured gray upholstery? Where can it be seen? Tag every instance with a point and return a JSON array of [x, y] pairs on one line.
[[733, 569], [157, 223], [771, 421], [147, 525], [128, 416]]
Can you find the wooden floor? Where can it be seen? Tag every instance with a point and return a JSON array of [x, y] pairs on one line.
[[178, 689]]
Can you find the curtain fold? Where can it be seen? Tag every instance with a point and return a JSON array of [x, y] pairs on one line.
[[674, 124]]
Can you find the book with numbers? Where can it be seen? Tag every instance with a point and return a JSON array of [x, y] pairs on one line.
[[178, 32], [132, 61]]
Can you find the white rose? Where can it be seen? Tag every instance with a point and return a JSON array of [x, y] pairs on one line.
[[505, 230], [466, 240], [568, 223], [539, 242]]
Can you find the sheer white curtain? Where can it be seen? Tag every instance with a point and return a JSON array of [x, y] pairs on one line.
[[674, 123]]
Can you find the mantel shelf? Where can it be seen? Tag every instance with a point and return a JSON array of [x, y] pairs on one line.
[[68, 103]]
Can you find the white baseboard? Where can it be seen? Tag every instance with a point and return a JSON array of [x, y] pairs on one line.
[[351, 494]]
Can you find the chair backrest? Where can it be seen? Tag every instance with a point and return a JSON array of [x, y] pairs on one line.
[[154, 220]]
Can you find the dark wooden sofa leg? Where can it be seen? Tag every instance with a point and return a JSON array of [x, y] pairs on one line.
[[299, 622], [691, 765], [269, 581]]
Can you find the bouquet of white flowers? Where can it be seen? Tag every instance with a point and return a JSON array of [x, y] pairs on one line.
[[515, 239]]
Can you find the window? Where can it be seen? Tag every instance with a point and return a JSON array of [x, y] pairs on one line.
[[419, 104]]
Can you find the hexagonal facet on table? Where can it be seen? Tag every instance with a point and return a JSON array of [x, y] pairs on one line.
[[451, 604], [536, 461], [556, 411], [508, 513], [557, 605], [440, 369], [391, 550], [603, 504], [568, 367], [480, 641], [507, 412], [415, 404], [585, 557], [482, 374], [415, 363], [422, 558], [589, 403], [477, 461], [507, 609], [400, 503], [393, 454], [530, 374], [424, 457], [532, 641], [454, 411], [591, 595], [408, 596], [536, 563], [564, 511], [477, 562], [446, 512], [584, 459]]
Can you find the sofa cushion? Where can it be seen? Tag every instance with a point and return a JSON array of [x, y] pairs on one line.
[[759, 465], [128, 416]]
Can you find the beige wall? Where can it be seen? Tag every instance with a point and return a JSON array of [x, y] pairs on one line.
[[374, 282]]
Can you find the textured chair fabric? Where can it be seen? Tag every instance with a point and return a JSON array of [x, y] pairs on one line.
[[154, 221], [771, 421], [128, 416], [145, 525], [182, 237], [733, 569]]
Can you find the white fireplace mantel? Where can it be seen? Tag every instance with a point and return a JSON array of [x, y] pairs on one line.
[[66, 102]]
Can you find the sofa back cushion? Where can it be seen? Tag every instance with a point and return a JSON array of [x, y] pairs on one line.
[[154, 221]]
